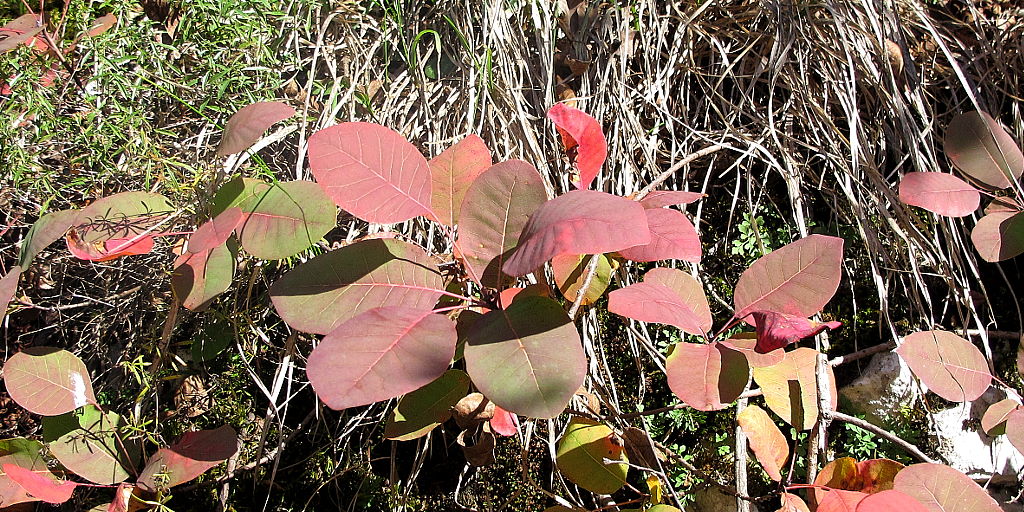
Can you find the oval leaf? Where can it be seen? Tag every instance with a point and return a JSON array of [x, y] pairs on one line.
[[87, 443], [23, 453], [999, 235], [766, 440], [286, 219], [528, 358], [890, 501], [747, 346], [571, 270], [798, 279], [578, 222], [840, 501], [17, 31], [949, 365], [982, 149], [939, 193], [321, 294], [215, 231], [792, 503], [941, 488], [496, 208], [706, 377], [42, 484], [380, 354], [121, 216], [8, 288], [504, 423], [666, 296], [578, 128], [452, 172], [48, 381], [420, 411], [659, 198], [790, 387], [581, 454], [672, 237], [191, 456], [1015, 429], [993, 422], [47, 230], [371, 172], [247, 125], [199, 278]]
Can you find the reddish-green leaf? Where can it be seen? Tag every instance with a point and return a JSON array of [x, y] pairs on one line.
[[8, 288], [982, 149], [580, 130], [666, 296], [451, 174], [570, 271], [660, 198], [286, 219], [777, 330], [371, 172], [47, 230], [943, 489], [798, 279], [91, 443], [999, 235], [321, 294], [419, 412], [48, 381], [380, 354], [191, 456], [108, 249], [993, 422], [840, 501], [495, 209], [578, 222], [1015, 429], [672, 237], [121, 216], [215, 231], [581, 454], [41, 485], [949, 365], [747, 346], [528, 358], [199, 278], [706, 377], [17, 31], [23, 453], [939, 193], [246, 126], [792, 503], [790, 387], [766, 440], [890, 501], [868, 476]]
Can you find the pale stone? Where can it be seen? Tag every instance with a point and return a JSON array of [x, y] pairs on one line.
[[885, 388]]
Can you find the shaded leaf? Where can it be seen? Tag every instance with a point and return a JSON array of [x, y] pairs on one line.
[[747, 346], [286, 219], [778, 330], [939, 193], [47, 230], [993, 422], [8, 288], [571, 270], [87, 443], [706, 377], [215, 231], [496, 208], [578, 222], [672, 237], [798, 279], [659, 198], [419, 412], [48, 381], [527, 358], [371, 172], [380, 354], [23, 453], [982, 149], [790, 387], [841, 501], [890, 501], [640, 449], [246, 126], [581, 453], [41, 485], [191, 456], [198, 279], [666, 296], [452, 172], [792, 503], [322, 293], [941, 488], [949, 365], [999, 236], [766, 440], [578, 129], [18, 31]]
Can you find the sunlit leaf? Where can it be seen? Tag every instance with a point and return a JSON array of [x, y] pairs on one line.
[[1015, 429], [8, 288], [581, 454], [578, 129], [92, 444], [890, 501], [286, 219], [792, 503], [417, 413], [200, 278], [571, 270], [993, 422], [47, 230], [659, 198], [451, 174], [18, 31], [941, 488], [790, 387], [949, 365], [982, 149], [672, 237], [840, 501], [766, 440], [48, 381], [666, 296], [123, 216], [191, 456], [706, 377], [504, 423], [747, 346], [23, 453], [939, 193], [215, 231], [867, 476], [778, 330], [246, 126], [999, 235], [40, 484]]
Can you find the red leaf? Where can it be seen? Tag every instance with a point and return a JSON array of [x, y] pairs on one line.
[[949, 365], [672, 237], [122, 498], [798, 279], [841, 501], [504, 423], [943, 489], [19, 30], [452, 172], [982, 149], [999, 235], [792, 503], [43, 486], [371, 172], [215, 231], [766, 440], [939, 193], [666, 296], [101, 25], [191, 456], [48, 381], [777, 330], [380, 354], [246, 126], [890, 501], [578, 128], [660, 198], [706, 377], [578, 222], [109, 249]]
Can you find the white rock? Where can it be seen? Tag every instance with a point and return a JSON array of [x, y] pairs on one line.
[[968, 449], [886, 386]]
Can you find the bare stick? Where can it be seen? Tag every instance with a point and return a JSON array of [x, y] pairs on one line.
[[591, 271], [675, 167]]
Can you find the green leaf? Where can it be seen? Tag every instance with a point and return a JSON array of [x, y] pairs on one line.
[[286, 219], [47, 230], [417, 413], [581, 454], [86, 442], [123, 215]]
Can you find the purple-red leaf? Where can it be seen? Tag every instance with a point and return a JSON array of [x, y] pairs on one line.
[[766, 440], [999, 235], [495, 209], [706, 377], [452, 172], [285, 219], [380, 354], [798, 279], [890, 501], [371, 172], [747, 346], [578, 222], [777, 330], [943, 489], [982, 149], [191, 456], [673, 236], [215, 231], [666, 296], [1015, 429], [949, 365], [837, 500], [23, 453], [939, 193], [41, 485], [246, 126], [48, 381], [660, 198], [577, 128]]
